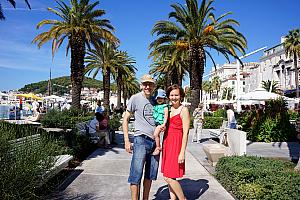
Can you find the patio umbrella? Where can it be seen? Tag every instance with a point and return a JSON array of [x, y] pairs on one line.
[[29, 95], [259, 94]]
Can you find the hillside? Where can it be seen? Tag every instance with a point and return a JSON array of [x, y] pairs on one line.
[[60, 85]]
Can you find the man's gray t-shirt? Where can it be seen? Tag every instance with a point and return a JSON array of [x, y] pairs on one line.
[[143, 113]]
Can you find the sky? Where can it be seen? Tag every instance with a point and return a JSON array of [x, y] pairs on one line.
[[262, 22]]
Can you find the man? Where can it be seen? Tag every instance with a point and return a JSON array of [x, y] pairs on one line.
[[100, 108], [141, 105]]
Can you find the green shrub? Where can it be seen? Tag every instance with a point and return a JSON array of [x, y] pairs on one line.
[[17, 130], [114, 122], [64, 119], [212, 122], [220, 113], [268, 125], [80, 146], [23, 168], [293, 115], [258, 178]]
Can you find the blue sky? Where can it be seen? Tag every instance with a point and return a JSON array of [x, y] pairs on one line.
[[262, 22]]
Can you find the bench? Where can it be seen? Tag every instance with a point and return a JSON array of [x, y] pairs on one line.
[[61, 161], [231, 142], [217, 133]]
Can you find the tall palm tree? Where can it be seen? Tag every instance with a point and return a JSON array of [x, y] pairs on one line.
[[292, 50], [196, 29], [268, 84], [124, 68], [13, 3], [82, 25], [105, 60]]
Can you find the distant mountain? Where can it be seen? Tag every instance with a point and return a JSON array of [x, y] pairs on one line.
[[60, 85]]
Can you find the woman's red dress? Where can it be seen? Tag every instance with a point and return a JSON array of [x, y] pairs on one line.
[[171, 148]]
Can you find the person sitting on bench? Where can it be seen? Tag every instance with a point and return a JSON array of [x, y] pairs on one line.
[[98, 127]]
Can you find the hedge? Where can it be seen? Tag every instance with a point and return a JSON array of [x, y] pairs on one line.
[[249, 177]]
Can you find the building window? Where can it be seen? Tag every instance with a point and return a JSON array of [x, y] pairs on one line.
[[244, 89], [244, 83], [233, 82]]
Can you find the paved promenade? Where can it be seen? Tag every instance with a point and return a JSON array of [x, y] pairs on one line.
[[104, 174]]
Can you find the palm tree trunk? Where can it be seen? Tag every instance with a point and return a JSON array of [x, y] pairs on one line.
[[296, 75], [119, 89], [197, 58], [77, 68], [106, 88], [167, 81], [180, 77], [174, 77], [125, 96]]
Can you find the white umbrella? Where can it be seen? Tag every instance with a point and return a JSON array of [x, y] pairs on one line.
[[224, 101], [3, 94], [259, 94]]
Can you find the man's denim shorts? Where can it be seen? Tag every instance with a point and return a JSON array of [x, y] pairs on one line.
[[143, 147]]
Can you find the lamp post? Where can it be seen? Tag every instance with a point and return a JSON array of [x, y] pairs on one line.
[[238, 102]]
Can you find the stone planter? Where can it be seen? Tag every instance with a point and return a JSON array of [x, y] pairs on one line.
[[214, 152]]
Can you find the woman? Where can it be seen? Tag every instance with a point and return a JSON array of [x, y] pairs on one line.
[[198, 115], [175, 141], [230, 117], [98, 127]]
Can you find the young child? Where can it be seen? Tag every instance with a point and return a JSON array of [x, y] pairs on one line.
[[160, 115]]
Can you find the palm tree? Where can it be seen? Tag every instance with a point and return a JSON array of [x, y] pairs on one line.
[[174, 67], [216, 85], [130, 87], [124, 68], [268, 84], [196, 30], [83, 26], [292, 50], [207, 87], [227, 94], [102, 59], [13, 3]]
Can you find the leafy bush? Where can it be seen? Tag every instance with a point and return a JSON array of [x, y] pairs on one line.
[[64, 119], [17, 131], [212, 122], [114, 122], [220, 113], [80, 145], [23, 168], [293, 115], [258, 178], [270, 124]]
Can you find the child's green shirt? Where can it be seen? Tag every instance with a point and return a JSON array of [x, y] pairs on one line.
[[159, 113]]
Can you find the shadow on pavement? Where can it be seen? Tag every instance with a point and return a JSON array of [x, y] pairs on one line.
[[192, 189], [73, 175], [74, 197]]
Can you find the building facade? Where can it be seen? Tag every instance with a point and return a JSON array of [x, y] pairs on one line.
[[275, 66]]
